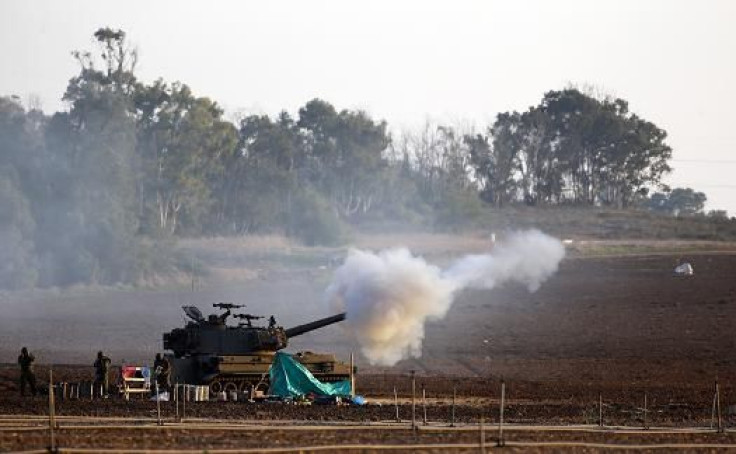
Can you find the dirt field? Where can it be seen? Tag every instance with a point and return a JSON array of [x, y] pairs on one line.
[[619, 326], [150, 438]]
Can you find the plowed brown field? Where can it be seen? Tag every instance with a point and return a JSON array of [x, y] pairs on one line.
[[618, 326]]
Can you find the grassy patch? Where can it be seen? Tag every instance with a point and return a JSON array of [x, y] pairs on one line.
[[644, 247], [588, 232]]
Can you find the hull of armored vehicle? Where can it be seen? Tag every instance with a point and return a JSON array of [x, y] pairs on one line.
[[240, 372]]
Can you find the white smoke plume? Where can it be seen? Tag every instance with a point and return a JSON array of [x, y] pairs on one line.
[[390, 295]]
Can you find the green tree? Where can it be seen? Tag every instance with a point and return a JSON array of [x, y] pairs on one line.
[[257, 193], [17, 258], [678, 202], [20, 147], [86, 232], [571, 148], [88, 225], [608, 153], [344, 155], [495, 157], [182, 144], [438, 162]]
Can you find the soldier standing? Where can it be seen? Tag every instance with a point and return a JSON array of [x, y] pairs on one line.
[[102, 369], [25, 360], [162, 371]]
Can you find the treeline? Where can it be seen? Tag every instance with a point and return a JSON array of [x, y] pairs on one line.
[[96, 193]]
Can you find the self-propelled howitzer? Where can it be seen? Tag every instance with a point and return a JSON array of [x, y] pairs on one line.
[[209, 351]]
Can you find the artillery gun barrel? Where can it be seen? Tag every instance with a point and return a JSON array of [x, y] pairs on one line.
[[307, 327]]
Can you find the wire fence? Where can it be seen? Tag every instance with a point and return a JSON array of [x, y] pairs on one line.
[[413, 417]]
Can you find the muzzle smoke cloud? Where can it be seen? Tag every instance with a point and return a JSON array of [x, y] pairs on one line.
[[390, 295]]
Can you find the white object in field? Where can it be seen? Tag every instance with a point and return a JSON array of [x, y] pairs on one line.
[[684, 269], [201, 393], [567, 241], [161, 397]]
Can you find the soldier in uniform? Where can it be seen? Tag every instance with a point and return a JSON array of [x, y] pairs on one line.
[[162, 371], [25, 360], [102, 369]]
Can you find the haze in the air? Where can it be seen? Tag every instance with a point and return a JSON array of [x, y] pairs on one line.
[[403, 61]]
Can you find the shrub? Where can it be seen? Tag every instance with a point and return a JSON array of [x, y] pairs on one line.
[[314, 222]]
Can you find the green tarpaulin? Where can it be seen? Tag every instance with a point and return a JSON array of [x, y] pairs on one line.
[[289, 378]]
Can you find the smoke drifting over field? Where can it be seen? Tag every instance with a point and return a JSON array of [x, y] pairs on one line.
[[388, 296]]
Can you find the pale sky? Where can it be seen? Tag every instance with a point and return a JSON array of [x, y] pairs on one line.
[[405, 61]]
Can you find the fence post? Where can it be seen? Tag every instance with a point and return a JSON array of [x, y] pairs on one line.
[[452, 414], [52, 412], [424, 406], [600, 410], [176, 400], [482, 435], [352, 375], [718, 408], [646, 425], [413, 400], [184, 396], [158, 406], [500, 416], [396, 404]]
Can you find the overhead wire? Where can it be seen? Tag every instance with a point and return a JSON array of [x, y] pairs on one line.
[[707, 161]]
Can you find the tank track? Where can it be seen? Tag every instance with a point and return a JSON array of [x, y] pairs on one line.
[[242, 384], [331, 378], [238, 383]]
